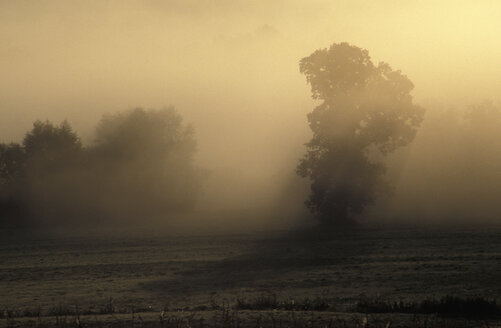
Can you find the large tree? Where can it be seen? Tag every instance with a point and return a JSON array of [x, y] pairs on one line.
[[365, 111]]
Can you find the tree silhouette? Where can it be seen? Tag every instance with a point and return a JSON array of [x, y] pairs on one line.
[[46, 147], [37, 177], [365, 110], [144, 162]]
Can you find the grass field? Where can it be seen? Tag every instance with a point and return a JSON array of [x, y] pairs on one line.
[[334, 277]]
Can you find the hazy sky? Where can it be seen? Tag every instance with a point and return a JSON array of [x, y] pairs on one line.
[[230, 66], [78, 59]]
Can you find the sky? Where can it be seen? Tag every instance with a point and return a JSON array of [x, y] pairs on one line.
[[230, 67], [78, 59]]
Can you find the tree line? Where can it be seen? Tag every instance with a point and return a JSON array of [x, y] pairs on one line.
[[140, 166]]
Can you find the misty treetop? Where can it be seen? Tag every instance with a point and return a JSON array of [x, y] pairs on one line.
[[45, 146], [365, 108], [141, 134], [151, 156], [139, 167]]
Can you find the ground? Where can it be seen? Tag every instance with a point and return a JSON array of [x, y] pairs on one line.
[[207, 275]]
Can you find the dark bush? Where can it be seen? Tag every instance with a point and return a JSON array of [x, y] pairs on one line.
[[447, 306]]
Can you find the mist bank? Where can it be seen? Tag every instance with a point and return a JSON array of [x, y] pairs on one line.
[[451, 173], [448, 176]]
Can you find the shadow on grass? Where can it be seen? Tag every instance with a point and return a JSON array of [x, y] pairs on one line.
[[271, 261]]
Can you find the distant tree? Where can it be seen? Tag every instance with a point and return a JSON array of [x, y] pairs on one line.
[[37, 177], [365, 110], [12, 162], [144, 162], [54, 156], [145, 134], [49, 147]]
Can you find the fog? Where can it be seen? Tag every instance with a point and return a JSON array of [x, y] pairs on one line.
[[230, 68]]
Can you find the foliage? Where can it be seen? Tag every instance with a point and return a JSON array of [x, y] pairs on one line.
[[45, 147], [47, 142], [145, 133], [12, 160], [365, 109], [33, 174], [144, 162], [141, 164]]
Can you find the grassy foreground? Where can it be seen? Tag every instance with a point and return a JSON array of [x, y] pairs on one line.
[[371, 278]]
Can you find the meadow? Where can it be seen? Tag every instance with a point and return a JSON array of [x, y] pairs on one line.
[[372, 277]]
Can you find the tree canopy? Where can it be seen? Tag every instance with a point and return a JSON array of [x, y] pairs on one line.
[[146, 159], [364, 108]]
